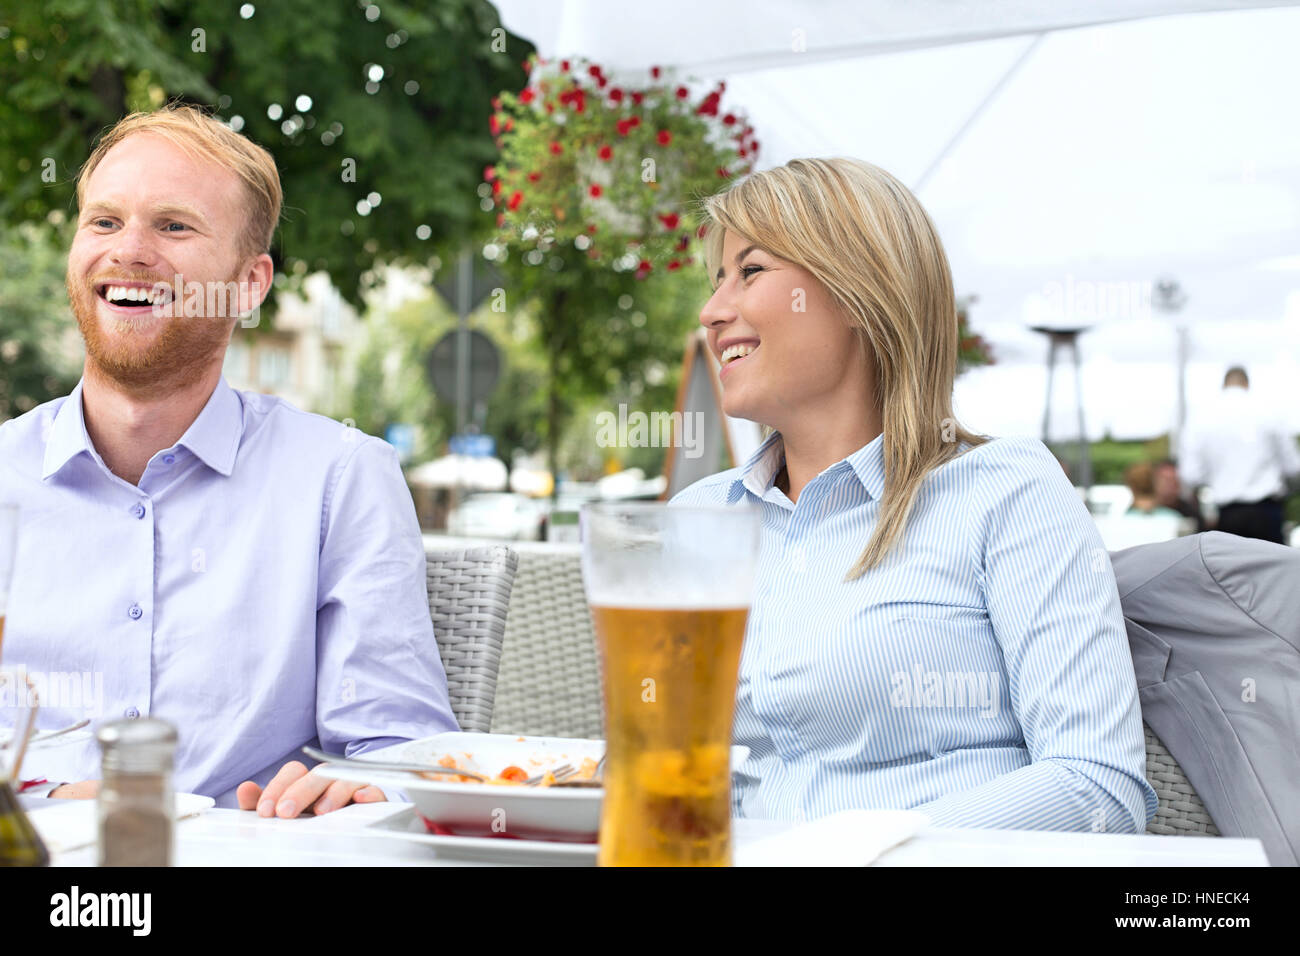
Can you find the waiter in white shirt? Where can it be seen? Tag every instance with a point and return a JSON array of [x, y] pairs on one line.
[[1245, 458]]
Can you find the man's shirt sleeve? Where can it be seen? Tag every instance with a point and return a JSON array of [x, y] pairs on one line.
[[379, 679]]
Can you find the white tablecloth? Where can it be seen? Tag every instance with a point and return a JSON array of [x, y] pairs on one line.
[[241, 838]]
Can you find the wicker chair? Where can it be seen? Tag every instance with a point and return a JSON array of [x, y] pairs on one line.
[[1180, 812], [469, 592], [550, 684], [550, 673]]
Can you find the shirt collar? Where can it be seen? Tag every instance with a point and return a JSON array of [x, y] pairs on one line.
[[759, 473], [213, 437], [67, 436]]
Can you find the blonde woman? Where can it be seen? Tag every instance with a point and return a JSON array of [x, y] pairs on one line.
[[935, 622]]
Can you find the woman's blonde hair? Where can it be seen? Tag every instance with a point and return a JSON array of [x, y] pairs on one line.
[[207, 138], [867, 239]]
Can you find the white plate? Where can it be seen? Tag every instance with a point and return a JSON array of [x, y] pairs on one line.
[[478, 810], [407, 825]]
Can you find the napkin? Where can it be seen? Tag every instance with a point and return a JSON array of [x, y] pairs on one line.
[[846, 838], [71, 824]]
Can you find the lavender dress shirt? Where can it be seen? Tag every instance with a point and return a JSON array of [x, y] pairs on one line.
[[262, 588]]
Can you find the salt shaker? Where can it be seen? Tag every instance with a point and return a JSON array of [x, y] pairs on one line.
[[136, 801]]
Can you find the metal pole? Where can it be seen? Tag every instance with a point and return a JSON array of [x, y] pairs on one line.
[[1085, 455], [464, 276]]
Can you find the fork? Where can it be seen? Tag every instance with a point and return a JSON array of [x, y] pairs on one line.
[[341, 761], [563, 772]]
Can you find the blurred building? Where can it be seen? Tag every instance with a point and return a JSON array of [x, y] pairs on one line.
[[300, 359]]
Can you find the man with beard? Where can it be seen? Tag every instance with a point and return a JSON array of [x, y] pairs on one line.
[[247, 571]]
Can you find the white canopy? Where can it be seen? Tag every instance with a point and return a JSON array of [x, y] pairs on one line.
[[1067, 158], [460, 471]]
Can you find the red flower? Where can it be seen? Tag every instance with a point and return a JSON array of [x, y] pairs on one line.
[[556, 148], [722, 172], [729, 120], [501, 219], [527, 96], [637, 97], [533, 177], [605, 153], [683, 243], [516, 199], [664, 137], [709, 107], [496, 102], [510, 124], [616, 95], [496, 187], [670, 220], [489, 172], [564, 66], [624, 126], [595, 190], [682, 92], [654, 72], [594, 70], [643, 268], [494, 124], [674, 265], [550, 108], [635, 121]]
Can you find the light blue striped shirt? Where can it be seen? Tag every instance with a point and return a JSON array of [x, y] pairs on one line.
[[981, 674]]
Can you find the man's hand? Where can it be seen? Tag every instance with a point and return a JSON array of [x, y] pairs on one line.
[[294, 789], [85, 790]]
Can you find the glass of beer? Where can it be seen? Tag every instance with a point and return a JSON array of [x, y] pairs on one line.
[[670, 591], [8, 555]]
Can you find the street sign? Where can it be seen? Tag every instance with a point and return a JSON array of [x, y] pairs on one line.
[[401, 437], [484, 366], [475, 446]]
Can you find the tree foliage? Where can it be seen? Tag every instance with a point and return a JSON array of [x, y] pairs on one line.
[[400, 89]]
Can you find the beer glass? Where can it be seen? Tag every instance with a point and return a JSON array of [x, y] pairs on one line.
[[670, 591], [8, 556]]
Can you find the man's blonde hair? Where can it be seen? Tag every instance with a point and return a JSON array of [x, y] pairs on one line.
[[868, 240], [207, 138]]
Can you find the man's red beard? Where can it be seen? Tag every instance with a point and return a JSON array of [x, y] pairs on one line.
[[180, 351]]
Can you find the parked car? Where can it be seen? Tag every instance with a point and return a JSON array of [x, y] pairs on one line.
[[498, 515]]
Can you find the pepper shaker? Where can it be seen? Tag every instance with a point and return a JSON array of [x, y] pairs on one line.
[[136, 817]]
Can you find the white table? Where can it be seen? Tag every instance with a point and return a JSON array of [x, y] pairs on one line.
[[241, 838]]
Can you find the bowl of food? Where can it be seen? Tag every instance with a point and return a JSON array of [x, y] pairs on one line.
[[560, 807]]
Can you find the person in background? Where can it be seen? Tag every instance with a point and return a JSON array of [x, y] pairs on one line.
[[1140, 478], [252, 573], [1169, 493], [1241, 453]]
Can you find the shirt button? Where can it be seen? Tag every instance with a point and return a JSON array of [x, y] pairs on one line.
[[135, 612], [131, 713], [138, 510], [169, 459]]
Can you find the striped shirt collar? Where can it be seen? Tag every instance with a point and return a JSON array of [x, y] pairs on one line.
[[759, 473]]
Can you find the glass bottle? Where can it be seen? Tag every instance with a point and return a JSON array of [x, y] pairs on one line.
[[20, 845]]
